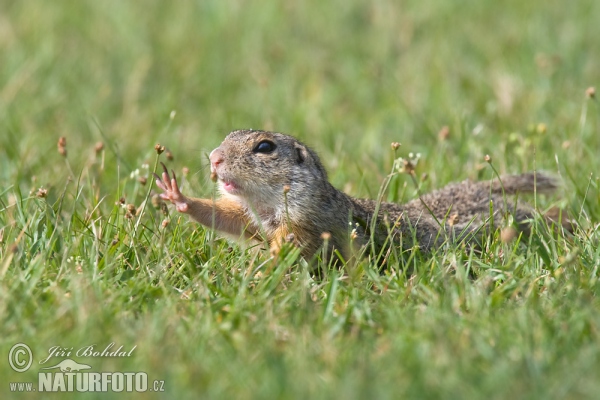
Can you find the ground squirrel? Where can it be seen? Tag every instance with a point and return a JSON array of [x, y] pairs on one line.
[[274, 187]]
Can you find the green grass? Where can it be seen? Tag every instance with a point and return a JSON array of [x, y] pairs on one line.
[[348, 78]]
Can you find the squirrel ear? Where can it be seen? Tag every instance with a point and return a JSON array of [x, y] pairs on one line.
[[301, 153]]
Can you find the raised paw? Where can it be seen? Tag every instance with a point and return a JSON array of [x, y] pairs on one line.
[[171, 190]]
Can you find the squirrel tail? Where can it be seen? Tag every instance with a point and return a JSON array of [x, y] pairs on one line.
[[529, 182]]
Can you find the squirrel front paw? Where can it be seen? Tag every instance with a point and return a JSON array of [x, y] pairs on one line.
[[171, 190]]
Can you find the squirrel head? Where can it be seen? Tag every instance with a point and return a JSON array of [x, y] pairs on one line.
[[267, 170]]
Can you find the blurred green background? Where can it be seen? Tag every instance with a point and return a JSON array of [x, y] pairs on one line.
[[347, 77]]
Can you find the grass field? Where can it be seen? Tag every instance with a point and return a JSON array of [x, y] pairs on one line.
[[508, 79]]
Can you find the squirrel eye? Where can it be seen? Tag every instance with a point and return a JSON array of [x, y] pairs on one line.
[[264, 147]]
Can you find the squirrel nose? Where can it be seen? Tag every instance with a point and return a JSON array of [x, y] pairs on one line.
[[216, 157]]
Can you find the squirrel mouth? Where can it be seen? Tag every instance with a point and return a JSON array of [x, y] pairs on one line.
[[225, 184], [229, 186]]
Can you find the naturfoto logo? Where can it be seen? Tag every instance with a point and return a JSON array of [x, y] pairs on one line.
[[70, 375]]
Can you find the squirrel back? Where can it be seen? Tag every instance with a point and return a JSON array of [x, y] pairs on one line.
[[467, 209]]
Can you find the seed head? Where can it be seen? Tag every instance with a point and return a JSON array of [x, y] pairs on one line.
[[395, 145], [155, 200], [325, 235], [488, 159], [62, 146], [444, 133], [142, 180], [169, 155], [159, 149], [408, 167], [131, 209], [286, 189], [42, 193], [541, 128], [99, 147], [185, 171], [508, 234], [590, 92], [453, 219]]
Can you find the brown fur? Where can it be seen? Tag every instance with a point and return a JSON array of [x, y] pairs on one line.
[[285, 195]]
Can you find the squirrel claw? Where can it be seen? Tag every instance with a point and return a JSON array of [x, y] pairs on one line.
[[171, 190]]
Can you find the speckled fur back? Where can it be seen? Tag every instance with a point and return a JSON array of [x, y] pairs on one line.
[[464, 208], [286, 193]]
